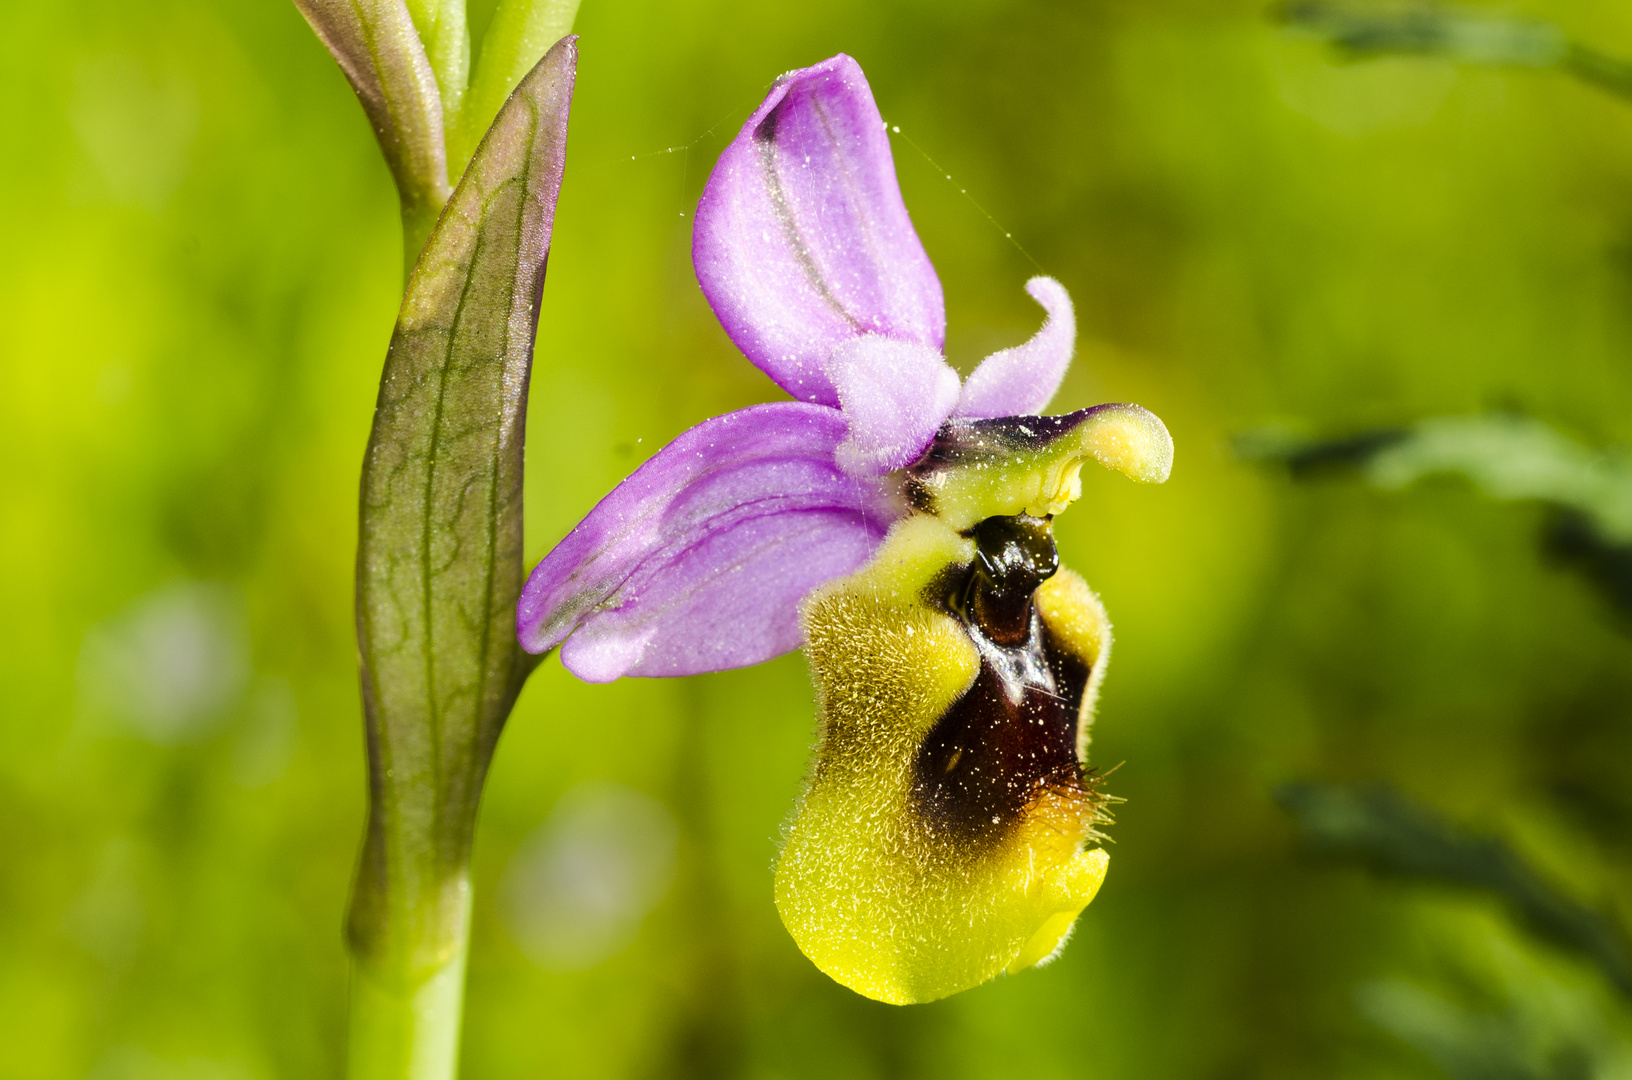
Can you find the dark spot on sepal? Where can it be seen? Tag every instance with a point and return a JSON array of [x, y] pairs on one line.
[[765, 130]]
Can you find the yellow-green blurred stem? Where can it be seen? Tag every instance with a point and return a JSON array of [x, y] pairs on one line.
[[417, 223], [407, 1032]]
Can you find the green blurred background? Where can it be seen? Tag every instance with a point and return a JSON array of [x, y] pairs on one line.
[[199, 279]]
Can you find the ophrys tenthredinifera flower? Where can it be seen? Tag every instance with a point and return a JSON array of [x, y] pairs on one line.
[[895, 522]]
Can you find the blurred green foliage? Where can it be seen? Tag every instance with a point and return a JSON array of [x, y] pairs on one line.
[[1508, 457], [1395, 836], [202, 265], [1458, 31]]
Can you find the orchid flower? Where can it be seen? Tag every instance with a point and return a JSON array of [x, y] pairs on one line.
[[896, 523]]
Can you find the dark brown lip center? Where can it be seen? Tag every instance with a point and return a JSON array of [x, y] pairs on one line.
[[1015, 729]]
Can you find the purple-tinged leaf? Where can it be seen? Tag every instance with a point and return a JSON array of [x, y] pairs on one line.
[[697, 561], [1022, 380], [439, 553], [802, 241], [376, 45]]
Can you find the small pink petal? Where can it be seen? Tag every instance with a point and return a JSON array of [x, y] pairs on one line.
[[894, 395], [1021, 381]]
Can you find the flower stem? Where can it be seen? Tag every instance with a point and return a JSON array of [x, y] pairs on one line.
[[417, 223], [408, 1029]]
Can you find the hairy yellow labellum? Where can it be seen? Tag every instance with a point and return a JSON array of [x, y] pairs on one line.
[[947, 829], [898, 904], [1076, 619]]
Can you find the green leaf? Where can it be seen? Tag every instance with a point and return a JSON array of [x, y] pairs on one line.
[[1513, 457], [1508, 457], [1431, 29], [1383, 828], [376, 45], [439, 562], [1463, 34], [518, 35]]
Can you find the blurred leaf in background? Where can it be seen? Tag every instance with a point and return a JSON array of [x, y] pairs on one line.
[[1524, 1020], [1509, 458], [1458, 32], [1382, 829], [203, 267]]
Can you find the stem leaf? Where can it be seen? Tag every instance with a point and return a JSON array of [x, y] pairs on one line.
[[376, 45], [439, 563]]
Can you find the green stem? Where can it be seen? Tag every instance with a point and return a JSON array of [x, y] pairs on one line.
[[417, 223], [408, 1029]]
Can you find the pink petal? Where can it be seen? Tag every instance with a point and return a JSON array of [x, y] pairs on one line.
[[802, 241], [698, 561], [1021, 381], [894, 395]]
